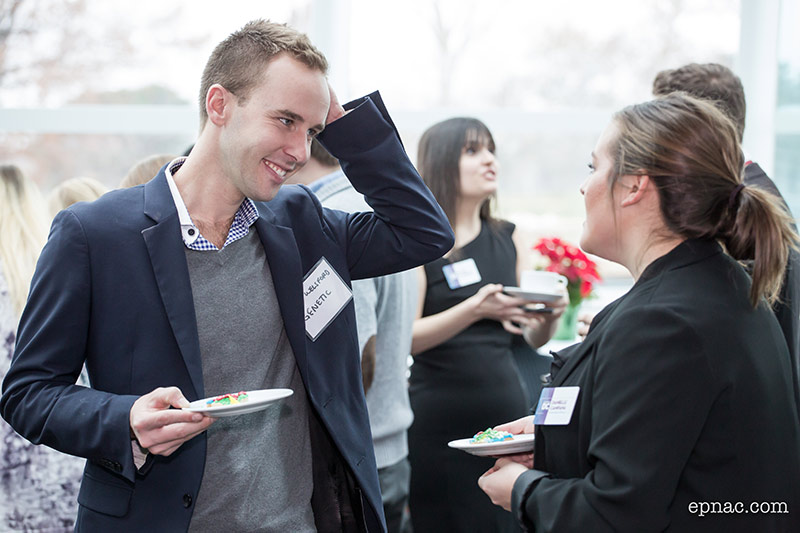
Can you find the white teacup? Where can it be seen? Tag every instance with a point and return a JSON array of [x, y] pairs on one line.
[[542, 281]]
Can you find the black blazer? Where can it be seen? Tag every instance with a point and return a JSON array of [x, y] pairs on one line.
[[685, 398]]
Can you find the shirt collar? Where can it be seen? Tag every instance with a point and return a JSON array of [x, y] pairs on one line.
[[689, 251], [245, 216]]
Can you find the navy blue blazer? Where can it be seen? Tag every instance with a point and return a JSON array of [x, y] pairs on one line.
[[112, 289]]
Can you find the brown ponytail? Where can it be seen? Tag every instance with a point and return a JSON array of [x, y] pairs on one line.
[[691, 152], [761, 232]]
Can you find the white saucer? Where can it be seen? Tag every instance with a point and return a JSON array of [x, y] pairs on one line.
[[257, 400], [532, 295], [518, 444]]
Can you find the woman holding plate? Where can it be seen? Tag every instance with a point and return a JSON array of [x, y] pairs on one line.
[[464, 377], [677, 410]]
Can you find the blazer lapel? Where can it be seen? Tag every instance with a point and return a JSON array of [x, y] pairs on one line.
[[572, 355], [689, 251], [287, 276], [168, 259]]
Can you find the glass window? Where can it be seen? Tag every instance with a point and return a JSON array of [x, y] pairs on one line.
[[787, 117], [544, 76], [51, 158]]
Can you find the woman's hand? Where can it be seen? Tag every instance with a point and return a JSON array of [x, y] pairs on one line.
[[488, 303], [537, 334], [560, 305], [491, 302], [520, 426], [584, 322], [498, 481]]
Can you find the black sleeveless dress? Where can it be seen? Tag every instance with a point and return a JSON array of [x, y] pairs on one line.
[[460, 387]]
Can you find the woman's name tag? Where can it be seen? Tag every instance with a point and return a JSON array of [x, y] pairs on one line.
[[324, 297], [461, 273], [555, 406]]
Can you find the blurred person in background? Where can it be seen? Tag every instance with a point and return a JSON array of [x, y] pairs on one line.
[[38, 485], [145, 170], [720, 85], [680, 396], [74, 190], [385, 308], [464, 378]]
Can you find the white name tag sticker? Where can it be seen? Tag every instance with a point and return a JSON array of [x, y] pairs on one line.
[[556, 405], [461, 273], [324, 297]]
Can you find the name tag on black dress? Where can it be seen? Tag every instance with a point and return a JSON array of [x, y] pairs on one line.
[[461, 273]]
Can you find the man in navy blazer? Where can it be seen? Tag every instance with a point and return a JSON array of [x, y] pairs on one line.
[[170, 291]]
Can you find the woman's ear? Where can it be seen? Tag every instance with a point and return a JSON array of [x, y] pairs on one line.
[[636, 187]]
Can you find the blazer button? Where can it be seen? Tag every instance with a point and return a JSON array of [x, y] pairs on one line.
[[187, 500]]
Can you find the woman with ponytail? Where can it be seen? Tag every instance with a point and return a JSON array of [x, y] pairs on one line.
[[683, 418]]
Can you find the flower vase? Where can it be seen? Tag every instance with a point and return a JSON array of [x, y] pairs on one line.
[[568, 326]]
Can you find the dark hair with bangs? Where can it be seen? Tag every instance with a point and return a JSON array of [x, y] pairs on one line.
[[440, 150]]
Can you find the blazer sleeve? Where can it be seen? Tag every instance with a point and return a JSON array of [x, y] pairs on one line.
[[40, 398], [407, 227], [651, 394]]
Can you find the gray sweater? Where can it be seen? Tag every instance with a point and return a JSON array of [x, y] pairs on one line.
[[257, 475]]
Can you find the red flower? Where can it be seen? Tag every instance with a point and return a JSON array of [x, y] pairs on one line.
[[572, 263]]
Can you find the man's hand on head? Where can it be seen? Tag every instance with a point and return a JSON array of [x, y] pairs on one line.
[[336, 110]]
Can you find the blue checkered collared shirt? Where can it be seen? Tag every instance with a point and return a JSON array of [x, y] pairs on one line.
[[245, 216]]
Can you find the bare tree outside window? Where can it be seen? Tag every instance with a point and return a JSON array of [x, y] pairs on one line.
[[55, 52]]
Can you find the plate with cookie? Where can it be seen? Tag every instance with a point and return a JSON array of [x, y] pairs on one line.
[[491, 442], [238, 403]]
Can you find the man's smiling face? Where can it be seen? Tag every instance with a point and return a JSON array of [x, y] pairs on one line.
[[268, 135]]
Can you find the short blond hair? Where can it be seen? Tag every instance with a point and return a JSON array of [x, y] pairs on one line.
[[145, 170], [238, 63], [74, 190]]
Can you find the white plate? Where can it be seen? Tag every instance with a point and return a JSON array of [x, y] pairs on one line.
[[518, 444], [533, 296], [256, 401]]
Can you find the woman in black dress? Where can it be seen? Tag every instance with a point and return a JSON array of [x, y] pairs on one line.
[[464, 379]]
